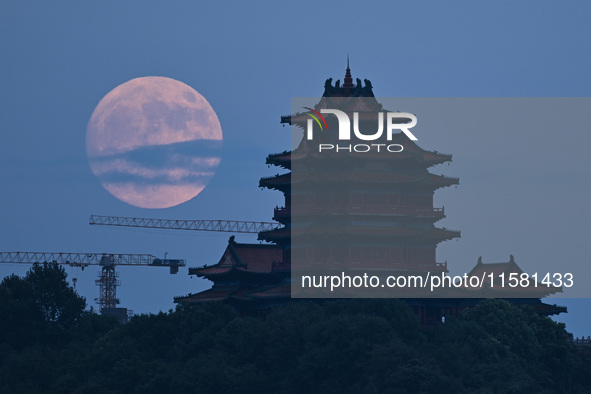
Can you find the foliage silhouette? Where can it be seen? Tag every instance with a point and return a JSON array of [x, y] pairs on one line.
[[365, 346]]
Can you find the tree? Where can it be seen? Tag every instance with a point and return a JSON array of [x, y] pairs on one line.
[[54, 297], [38, 307]]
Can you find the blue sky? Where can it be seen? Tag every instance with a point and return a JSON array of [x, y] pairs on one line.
[[248, 60]]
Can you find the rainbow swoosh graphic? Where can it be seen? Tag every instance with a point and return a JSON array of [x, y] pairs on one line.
[[316, 118]]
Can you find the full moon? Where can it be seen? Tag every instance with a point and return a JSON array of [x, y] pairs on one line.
[[154, 142]]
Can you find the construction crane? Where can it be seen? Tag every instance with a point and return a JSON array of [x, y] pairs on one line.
[[107, 277], [198, 225], [232, 226]]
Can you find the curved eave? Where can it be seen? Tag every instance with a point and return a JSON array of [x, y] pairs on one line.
[[286, 164], [433, 158], [208, 274], [277, 235], [395, 160], [209, 295], [444, 234], [278, 182], [205, 272], [282, 159]]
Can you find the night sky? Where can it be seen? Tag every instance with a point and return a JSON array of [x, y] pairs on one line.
[[526, 196]]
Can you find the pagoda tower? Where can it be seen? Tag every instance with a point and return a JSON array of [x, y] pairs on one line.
[[357, 211], [350, 212]]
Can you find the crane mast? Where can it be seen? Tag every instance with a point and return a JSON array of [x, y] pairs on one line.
[[107, 277]]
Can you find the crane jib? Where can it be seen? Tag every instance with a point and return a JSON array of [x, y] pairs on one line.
[[232, 226]]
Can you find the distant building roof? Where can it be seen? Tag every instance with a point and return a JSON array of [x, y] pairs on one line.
[[252, 258], [501, 285]]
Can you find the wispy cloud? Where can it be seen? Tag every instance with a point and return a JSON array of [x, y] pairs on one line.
[[125, 167], [153, 196]]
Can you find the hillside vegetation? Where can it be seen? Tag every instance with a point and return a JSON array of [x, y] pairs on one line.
[[50, 344]]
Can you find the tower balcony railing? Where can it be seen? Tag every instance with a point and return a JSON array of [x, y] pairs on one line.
[[364, 209], [582, 341], [281, 212]]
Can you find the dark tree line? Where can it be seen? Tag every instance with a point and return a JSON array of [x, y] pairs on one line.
[[48, 343]]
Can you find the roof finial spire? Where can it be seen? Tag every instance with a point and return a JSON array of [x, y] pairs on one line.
[[348, 82]]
